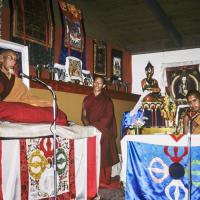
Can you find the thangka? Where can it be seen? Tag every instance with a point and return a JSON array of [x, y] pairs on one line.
[[73, 30]]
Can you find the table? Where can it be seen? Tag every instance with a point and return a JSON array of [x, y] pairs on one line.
[[26, 170]]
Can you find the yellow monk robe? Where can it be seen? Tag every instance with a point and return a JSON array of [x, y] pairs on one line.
[[196, 125], [20, 93]]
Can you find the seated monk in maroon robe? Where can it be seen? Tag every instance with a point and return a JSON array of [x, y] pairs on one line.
[[98, 111]]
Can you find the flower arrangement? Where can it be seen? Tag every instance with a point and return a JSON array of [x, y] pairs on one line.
[[138, 120]]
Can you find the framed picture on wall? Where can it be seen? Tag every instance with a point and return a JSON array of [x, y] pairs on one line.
[[116, 64], [74, 68], [182, 79], [100, 58], [32, 21]]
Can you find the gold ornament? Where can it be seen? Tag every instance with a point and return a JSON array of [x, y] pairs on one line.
[[37, 163]]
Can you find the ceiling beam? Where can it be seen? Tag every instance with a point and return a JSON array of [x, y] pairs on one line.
[[164, 20]]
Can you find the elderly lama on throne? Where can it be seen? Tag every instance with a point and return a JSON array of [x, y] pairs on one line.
[[15, 96]]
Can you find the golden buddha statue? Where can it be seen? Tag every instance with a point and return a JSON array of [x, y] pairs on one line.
[[150, 84]]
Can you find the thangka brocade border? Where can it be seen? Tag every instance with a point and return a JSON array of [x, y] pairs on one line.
[[73, 27], [36, 165]]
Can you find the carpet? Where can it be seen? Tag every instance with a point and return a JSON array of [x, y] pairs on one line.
[[114, 191]]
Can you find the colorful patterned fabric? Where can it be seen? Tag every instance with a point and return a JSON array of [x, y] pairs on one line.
[[73, 36], [156, 167], [26, 165]]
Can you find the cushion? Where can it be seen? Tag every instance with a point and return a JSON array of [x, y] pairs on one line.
[[25, 113]]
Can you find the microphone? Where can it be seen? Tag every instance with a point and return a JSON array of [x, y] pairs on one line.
[[177, 113], [28, 77]]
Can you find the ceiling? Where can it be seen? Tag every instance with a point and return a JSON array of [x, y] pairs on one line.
[[143, 26]]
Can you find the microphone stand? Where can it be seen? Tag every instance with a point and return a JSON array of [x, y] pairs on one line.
[[189, 158], [190, 155], [188, 145], [54, 132]]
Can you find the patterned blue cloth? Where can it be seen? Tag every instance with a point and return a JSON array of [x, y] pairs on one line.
[[152, 172]]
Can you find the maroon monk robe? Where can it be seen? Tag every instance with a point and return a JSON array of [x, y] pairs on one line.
[[100, 114], [6, 85]]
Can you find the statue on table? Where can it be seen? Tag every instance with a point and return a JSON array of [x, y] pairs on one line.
[[152, 100], [169, 110], [150, 84]]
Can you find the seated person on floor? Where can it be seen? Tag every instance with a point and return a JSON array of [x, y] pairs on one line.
[[14, 95], [193, 114], [150, 84]]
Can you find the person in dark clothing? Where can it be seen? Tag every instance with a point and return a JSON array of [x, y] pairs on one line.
[[98, 111]]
